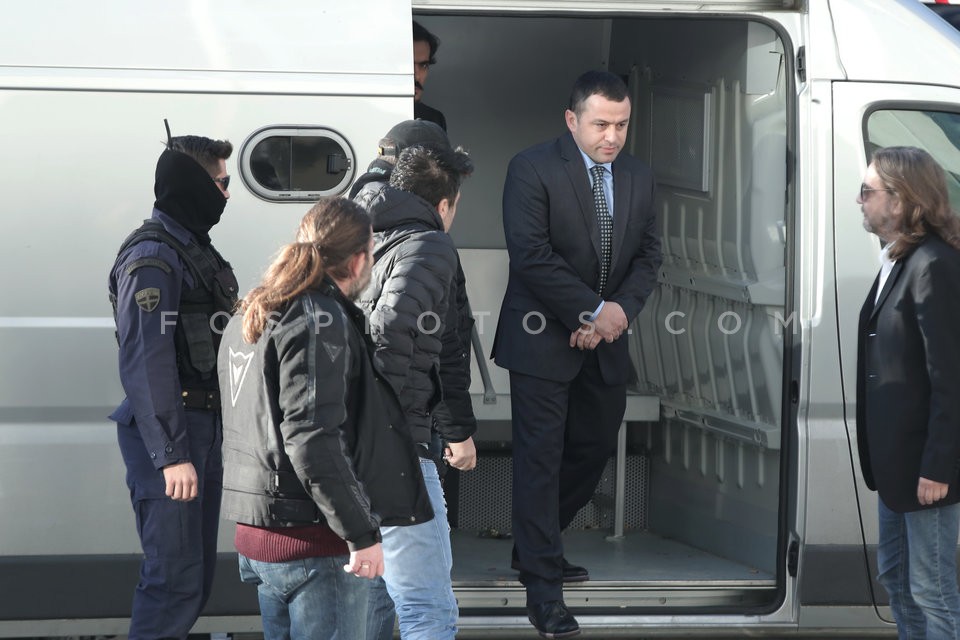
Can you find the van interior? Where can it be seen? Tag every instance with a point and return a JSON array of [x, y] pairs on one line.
[[688, 515]]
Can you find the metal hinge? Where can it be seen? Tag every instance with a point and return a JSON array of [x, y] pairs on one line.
[[793, 558]]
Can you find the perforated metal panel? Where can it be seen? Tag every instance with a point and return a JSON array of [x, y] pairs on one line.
[[485, 497], [680, 130]]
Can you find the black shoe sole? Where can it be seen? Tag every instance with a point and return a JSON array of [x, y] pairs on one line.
[[554, 636], [583, 577]]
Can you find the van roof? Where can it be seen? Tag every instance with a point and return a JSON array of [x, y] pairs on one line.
[[894, 41], [613, 5], [214, 35]]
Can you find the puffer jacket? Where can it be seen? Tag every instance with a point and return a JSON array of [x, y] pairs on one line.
[[311, 431], [407, 299], [453, 417]]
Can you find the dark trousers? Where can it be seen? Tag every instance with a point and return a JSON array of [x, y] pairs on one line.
[[179, 539], [563, 434]]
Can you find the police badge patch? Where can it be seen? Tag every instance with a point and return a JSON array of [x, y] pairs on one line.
[[148, 299]]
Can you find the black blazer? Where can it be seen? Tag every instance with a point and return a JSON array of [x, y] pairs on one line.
[[553, 240], [908, 377]]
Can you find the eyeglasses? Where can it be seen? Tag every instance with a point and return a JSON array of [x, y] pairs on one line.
[[224, 182], [864, 189]]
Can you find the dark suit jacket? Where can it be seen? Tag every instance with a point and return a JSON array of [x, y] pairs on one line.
[[908, 377], [425, 112], [553, 240]]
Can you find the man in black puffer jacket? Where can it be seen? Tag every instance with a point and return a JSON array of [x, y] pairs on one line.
[[453, 418], [412, 285]]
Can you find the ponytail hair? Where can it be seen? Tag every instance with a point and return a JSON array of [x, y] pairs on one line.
[[331, 233]]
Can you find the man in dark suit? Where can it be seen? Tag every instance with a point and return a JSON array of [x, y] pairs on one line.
[[584, 255], [908, 399]]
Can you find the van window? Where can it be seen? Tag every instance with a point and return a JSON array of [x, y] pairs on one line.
[[950, 13], [296, 163], [938, 132]]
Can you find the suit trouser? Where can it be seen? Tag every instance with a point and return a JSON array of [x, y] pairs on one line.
[[179, 539], [563, 435]]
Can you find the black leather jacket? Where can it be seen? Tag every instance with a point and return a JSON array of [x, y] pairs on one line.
[[312, 433]]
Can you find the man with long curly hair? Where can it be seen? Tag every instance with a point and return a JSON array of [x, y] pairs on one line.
[[908, 407]]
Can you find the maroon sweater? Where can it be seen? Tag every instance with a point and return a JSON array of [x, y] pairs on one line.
[[282, 544]]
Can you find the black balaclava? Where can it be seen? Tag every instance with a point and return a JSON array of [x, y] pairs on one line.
[[186, 192]]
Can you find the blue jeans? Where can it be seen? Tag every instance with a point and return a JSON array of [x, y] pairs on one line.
[[311, 599], [417, 562], [917, 561]]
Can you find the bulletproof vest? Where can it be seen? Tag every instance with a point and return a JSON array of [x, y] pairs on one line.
[[204, 310]]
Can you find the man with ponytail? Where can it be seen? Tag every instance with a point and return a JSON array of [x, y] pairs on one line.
[[171, 293], [317, 456], [908, 407]]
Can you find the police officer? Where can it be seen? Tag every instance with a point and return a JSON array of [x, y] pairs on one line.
[[172, 294]]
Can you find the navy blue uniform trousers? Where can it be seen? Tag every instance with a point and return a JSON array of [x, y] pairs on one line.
[[179, 539]]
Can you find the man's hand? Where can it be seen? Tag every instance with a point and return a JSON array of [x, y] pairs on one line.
[[461, 455], [611, 322], [366, 563], [609, 325], [929, 491], [181, 481], [586, 337]]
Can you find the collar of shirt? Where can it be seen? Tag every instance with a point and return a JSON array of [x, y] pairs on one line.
[[173, 227], [886, 266], [885, 260], [607, 177]]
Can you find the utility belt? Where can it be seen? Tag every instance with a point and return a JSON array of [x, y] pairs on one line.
[[201, 399]]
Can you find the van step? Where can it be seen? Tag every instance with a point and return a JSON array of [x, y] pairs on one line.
[[641, 570]]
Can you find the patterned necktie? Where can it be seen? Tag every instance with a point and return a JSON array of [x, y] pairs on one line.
[[604, 222]]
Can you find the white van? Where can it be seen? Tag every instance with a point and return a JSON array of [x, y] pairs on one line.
[[735, 504], [946, 9]]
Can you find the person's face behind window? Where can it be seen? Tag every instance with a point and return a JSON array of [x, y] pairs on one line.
[[421, 67]]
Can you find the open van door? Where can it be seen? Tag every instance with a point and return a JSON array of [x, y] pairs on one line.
[[867, 116], [685, 527]]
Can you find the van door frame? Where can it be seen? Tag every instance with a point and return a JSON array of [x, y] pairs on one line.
[[857, 256]]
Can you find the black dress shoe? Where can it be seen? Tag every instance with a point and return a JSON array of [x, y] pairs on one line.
[[552, 619], [571, 572]]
